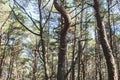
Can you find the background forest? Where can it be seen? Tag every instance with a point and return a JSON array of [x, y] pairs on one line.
[[59, 40]]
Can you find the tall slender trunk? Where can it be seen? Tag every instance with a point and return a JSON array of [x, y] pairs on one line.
[[73, 54], [2, 60], [63, 43], [10, 70], [0, 39], [109, 24], [42, 40], [83, 62], [34, 66], [98, 58], [79, 58], [110, 61], [79, 43]]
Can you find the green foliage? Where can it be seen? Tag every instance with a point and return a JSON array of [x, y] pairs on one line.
[[26, 44]]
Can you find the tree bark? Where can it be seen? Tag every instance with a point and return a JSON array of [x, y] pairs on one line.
[[110, 61], [34, 76], [109, 24], [73, 53], [42, 41], [79, 59], [0, 38], [2, 60], [63, 44], [98, 57], [10, 70]]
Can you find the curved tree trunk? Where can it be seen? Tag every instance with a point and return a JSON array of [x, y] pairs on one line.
[[110, 61], [63, 44]]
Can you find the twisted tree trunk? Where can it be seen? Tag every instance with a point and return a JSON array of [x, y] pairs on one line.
[[63, 44]]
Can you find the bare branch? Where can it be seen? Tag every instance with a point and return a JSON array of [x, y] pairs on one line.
[[23, 24], [27, 14]]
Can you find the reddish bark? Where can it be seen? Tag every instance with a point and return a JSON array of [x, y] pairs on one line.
[[110, 61], [0, 39], [63, 44]]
